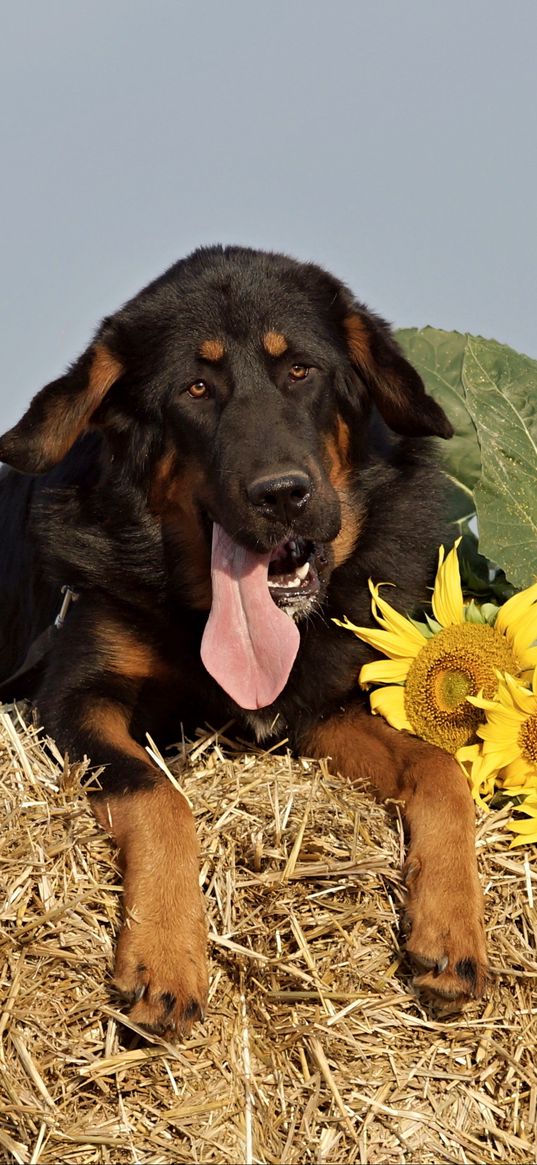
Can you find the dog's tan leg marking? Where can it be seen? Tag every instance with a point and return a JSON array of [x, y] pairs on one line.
[[161, 959], [444, 913]]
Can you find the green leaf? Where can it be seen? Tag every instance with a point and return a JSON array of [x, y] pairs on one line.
[[439, 358], [489, 393], [501, 393], [479, 577]]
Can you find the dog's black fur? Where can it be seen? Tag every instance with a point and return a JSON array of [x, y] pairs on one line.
[[86, 522], [120, 468]]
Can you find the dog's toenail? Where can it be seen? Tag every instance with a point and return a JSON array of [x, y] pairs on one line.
[[466, 969], [405, 926], [168, 999], [192, 1010], [410, 871]]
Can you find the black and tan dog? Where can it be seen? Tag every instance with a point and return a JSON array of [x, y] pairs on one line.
[[240, 448]]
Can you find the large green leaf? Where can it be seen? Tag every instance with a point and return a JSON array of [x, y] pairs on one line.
[[489, 392], [501, 394], [439, 358]]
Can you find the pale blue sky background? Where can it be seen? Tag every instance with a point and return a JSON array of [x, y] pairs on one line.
[[394, 142]]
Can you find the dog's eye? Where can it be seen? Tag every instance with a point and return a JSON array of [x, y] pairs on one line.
[[298, 372], [198, 389]]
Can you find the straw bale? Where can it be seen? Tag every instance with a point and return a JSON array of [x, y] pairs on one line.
[[315, 1047]]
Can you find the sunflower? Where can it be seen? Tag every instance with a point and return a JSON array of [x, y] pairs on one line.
[[507, 757], [434, 666]]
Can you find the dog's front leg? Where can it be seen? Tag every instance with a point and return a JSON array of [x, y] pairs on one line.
[[161, 961], [444, 914]]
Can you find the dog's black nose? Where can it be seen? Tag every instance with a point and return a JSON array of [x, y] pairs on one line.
[[281, 497]]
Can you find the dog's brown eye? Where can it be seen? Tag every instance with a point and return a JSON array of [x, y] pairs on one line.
[[298, 372], [198, 389]]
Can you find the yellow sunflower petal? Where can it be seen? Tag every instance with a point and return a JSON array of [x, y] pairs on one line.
[[484, 789], [518, 772], [395, 623], [492, 762], [523, 636], [526, 830], [384, 671], [502, 723], [501, 726], [469, 754], [487, 788], [497, 711], [521, 697], [470, 759], [391, 645], [529, 793], [390, 703], [514, 610], [523, 824], [528, 661], [503, 749], [447, 600]]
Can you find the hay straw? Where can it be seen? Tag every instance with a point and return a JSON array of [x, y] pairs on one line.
[[315, 1046]]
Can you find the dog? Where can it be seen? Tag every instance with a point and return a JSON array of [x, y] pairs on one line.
[[239, 449]]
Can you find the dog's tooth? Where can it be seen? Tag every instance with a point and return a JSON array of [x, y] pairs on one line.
[[288, 584], [302, 571]]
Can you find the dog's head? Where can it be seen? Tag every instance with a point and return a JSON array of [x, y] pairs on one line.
[[237, 391]]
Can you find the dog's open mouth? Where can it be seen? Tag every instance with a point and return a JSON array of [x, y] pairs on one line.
[[251, 638], [292, 573]]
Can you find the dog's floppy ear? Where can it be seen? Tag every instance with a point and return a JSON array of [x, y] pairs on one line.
[[61, 412], [397, 389]]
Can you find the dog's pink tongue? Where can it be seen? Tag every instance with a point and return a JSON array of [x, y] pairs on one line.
[[249, 644]]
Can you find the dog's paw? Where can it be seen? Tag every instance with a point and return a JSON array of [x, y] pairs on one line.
[[161, 958], [443, 925], [459, 981], [161, 973]]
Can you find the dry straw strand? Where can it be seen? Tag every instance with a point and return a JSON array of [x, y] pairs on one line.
[[315, 1047]]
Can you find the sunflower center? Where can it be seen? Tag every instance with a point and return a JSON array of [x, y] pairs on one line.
[[528, 739], [458, 662], [450, 688]]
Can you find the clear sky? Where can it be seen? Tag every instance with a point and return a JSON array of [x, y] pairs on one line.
[[393, 141]]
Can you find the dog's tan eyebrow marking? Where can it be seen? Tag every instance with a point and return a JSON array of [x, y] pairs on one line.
[[212, 350], [274, 343]]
